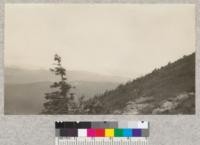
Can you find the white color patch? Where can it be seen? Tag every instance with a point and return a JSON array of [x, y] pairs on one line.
[[82, 132]]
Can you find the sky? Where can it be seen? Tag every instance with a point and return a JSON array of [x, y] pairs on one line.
[[112, 39]]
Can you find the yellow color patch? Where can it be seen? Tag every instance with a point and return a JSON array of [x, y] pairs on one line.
[[109, 132]]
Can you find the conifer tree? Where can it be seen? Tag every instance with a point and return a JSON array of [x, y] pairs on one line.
[[59, 101]]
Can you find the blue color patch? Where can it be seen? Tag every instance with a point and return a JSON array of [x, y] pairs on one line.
[[127, 132]]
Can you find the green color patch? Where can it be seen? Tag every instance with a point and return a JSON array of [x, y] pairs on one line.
[[118, 132]]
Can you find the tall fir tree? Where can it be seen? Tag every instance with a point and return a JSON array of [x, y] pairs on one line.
[[59, 101]]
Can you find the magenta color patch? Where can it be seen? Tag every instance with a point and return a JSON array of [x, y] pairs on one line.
[[91, 132]]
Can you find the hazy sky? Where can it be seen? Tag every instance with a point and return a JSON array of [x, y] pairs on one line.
[[113, 39]]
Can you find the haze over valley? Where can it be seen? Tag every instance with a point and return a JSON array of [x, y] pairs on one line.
[[25, 89]]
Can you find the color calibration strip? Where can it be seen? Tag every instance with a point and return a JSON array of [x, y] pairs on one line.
[[102, 129]]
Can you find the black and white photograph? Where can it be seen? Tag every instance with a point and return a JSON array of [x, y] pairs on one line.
[[96, 59]]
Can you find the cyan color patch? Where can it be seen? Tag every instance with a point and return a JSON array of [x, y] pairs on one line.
[[127, 132]]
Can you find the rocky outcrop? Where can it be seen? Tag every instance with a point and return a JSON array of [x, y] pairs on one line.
[[181, 104], [173, 104]]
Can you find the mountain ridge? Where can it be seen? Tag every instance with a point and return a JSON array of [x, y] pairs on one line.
[[18, 75], [161, 84]]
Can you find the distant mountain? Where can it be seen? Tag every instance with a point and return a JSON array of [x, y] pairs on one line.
[[167, 90], [25, 98], [28, 98], [25, 89], [20, 76]]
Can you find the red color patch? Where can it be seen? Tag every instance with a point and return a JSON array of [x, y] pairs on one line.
[[100, 132]]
